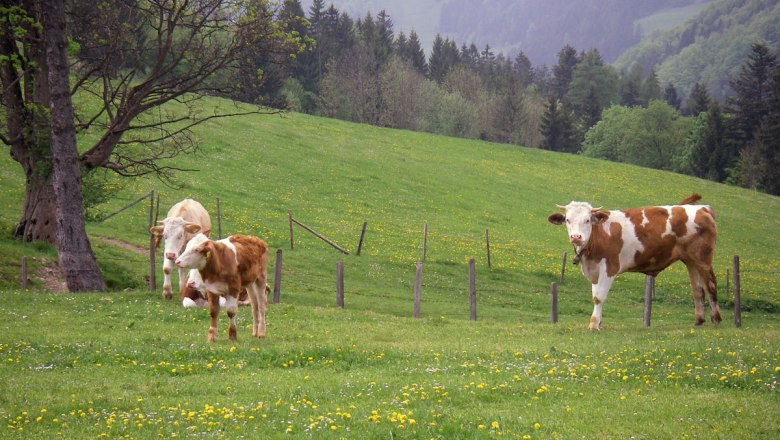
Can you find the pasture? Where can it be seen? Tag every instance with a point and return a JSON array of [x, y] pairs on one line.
[[127, 364]]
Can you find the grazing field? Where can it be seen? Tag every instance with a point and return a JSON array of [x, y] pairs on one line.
[[127, 364]]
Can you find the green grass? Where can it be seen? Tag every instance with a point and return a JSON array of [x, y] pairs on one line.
[[128, 364]]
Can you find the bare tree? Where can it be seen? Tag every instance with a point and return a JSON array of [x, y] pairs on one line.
[[133, 56]]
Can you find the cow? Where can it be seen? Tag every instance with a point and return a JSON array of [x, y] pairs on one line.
[[194, 294], [645, 240], [184, 220], [226, 266]]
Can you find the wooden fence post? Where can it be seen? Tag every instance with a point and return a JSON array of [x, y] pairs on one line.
[[289, 216], [417, 289], [487, 244], [219, 221], [278, 276], [554, 303], [472, 290], [362, 235], [649, 293], [152, 268], [340, 284], [425, 241], [563, 266], [737, 295], [23, 280]]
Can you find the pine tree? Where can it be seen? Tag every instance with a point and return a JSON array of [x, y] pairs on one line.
[[671, 97], [651, 89], [631, 87], [563, 71], [416, 54], [712, 154], [750, 102], [444, 56], [524, 70], [557, 128], [698, 101]]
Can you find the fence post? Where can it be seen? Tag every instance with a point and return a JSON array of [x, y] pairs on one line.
[[23, 280], [649, 291], [554, 303], [289, 216], [152, 281], [737, 295], [425, 241], [340, 284], [417, 289], [472, 290], [728, 289], [278, 276], [219, 221], [563, 266], [362, 235], [487, 244]]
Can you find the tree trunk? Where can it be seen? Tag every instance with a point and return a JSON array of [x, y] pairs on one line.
[[75, 254], [38, 222]]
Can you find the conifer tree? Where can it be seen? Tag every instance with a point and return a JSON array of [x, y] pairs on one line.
[[698, 101], [671, 97], [563, 71], [750, 102]]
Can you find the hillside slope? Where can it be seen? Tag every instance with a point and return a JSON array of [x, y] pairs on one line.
[[333, 176], [711, 48]]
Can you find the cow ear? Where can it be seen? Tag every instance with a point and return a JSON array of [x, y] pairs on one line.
[[205, 249], [556, 218], [191, 227], [156, 230], [599, 216]]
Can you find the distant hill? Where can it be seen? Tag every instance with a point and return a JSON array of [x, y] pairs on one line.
[[540, 28], [709, 48]]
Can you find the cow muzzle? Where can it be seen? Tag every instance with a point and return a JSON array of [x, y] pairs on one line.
[[170, 255], [576, 239]]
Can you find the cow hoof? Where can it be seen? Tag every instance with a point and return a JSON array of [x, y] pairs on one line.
[[167, 293]]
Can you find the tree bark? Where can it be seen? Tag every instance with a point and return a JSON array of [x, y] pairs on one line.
[[75, 254]]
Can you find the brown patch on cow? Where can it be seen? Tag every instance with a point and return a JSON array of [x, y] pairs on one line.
[[606, 246], [658, 249], [596, 300], [691, 200]]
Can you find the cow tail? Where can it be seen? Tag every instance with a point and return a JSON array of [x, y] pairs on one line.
[[691, 200]]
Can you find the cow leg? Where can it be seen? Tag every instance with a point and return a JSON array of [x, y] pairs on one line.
[[231, 307], [167, 269], [259, 301], [214, 313], [182, 277], [599, 292], [712, 296], [703, 283]]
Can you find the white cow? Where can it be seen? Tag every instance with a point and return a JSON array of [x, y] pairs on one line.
[[185, 219]]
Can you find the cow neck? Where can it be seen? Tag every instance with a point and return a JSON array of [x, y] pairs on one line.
[[578, 255]]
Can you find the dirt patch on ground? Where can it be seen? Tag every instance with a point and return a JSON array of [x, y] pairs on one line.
[[50, 275], [126, 245]]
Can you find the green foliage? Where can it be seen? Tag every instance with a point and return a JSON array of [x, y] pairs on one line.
[[647, 137], [593, 88], [710, 48]]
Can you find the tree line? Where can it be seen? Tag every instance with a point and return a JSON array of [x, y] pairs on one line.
[[361, 70]]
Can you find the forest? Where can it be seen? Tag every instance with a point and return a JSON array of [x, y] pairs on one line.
[[361, 70]]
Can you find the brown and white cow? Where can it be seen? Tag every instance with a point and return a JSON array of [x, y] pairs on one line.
[[645, 240], [226, 266], [184, 220]]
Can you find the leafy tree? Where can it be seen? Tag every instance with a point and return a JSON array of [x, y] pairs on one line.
[[648, 137], [698, 101], [558, 128], [403, 95]]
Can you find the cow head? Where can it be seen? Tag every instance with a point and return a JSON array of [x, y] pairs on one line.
[[175, 231], [579, 218], [196, 253]]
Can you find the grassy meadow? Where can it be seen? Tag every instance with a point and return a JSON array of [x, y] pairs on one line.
[[127, 364]]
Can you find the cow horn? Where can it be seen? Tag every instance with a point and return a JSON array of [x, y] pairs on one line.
[[597, 209], [561, 207]]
